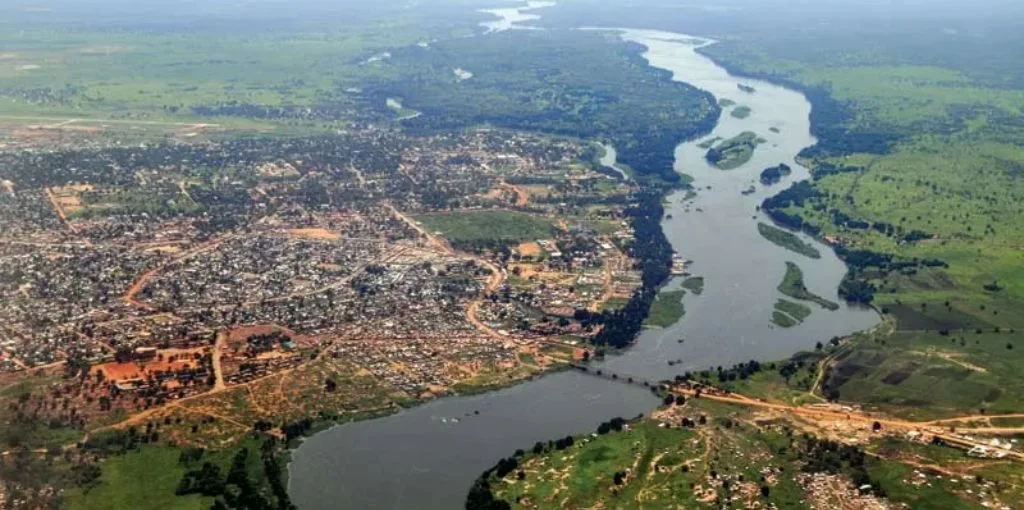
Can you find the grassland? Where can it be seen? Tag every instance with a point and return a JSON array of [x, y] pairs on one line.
[[258, 70], [506, 227], [145, 478], [667, 309], [664, 467], [788, 240], [722, 456], [793, 286], [926, 374], [734, 152]]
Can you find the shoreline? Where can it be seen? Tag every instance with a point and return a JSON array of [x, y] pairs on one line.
[[657, 190]]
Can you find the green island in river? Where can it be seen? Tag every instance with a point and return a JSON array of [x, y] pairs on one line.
[[788, 240], [734, 152], [793, 286]]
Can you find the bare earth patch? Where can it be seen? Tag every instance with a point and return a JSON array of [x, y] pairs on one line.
[[314, 233]]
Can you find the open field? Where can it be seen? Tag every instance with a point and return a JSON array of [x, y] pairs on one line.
[[139, 479], [488, 227], [923, 374]]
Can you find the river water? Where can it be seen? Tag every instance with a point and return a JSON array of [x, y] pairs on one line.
[[428, 456]]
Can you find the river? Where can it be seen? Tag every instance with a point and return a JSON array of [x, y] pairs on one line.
[[422, 458]]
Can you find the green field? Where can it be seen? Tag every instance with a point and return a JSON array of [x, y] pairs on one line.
[[667, 309], [734, 152], [238, 63], [793, 286], [488, 227], [149, 476], [788, 240], [139, 479], [922, 374]]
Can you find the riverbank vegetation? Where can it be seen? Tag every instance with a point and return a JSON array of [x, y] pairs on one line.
[[788, 240], [734, 152], [582, 84], [793, 286]]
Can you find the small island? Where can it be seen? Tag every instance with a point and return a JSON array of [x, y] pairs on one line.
[[667, 309], [788, 313], [710, 142], [741, 112], [793, 286], [725, 103], [734, 152], [746, 88], [694, 284], [787, 240], [774, 174]]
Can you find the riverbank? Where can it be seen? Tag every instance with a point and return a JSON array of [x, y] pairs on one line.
[[421, 455]]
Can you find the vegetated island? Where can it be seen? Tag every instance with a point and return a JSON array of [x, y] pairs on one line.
[[774, 174], [734, 152], [694, 284], [667, 309], [746, 88], [793, 286], [741, 112], [788, 313], [787, 240], [710, 142], [725, 103]]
